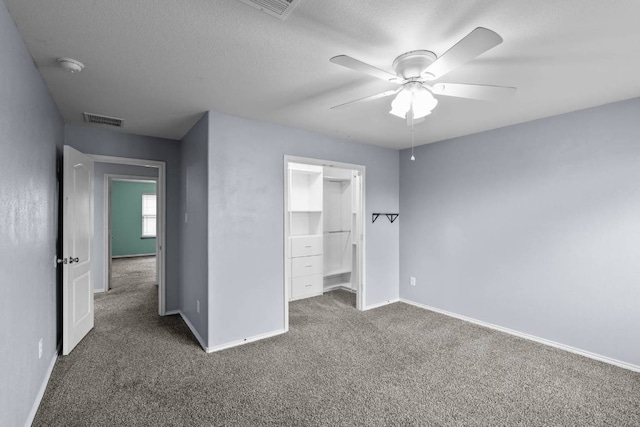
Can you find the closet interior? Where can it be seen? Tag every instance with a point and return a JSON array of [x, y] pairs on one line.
[[323, 229]]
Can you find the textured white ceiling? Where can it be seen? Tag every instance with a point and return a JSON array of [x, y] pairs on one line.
[[159, 64]]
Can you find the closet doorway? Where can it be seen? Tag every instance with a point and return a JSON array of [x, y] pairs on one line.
[[324, 229]]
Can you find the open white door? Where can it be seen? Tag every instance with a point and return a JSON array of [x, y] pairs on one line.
[[77, 217]]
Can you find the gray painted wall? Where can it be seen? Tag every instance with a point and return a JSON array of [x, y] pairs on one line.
[[91, 140], [31, 136], [534, 227], [99, 172], [194, 242], [246, 220]]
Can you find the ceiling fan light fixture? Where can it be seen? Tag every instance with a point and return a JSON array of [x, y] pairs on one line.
[[423, 103], [402, 103], [414, 98]]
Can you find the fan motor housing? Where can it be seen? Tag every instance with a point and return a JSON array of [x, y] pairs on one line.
[[412, 64]]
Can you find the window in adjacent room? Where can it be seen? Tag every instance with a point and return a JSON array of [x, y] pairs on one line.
[[148, 215]]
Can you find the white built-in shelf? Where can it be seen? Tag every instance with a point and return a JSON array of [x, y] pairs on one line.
[[337, 174], [299, 236], [304, 211], [305, 188], [337, 272], [337, 231]]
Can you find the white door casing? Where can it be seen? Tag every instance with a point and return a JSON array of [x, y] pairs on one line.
[[77, 240]]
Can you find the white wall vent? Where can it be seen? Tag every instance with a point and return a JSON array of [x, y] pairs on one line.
[[103, 120], [278, 8]]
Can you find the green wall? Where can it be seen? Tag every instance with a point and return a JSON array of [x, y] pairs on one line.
[[126, 219]]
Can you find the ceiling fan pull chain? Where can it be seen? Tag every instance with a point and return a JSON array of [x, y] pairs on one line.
[[413, 158]]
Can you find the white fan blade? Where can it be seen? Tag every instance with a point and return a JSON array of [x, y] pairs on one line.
[[368, 98], [475, 43], [354, 64], [481, 92]]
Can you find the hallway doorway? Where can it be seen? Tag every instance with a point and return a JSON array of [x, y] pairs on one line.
[[123, 169], [131, 227]]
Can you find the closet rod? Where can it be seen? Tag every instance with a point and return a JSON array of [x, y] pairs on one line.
[[338, 231]]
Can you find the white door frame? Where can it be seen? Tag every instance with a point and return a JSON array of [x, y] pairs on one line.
[[161, 216], [361, 286], [108, 181]]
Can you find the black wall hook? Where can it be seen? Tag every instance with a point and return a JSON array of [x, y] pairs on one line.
[[390, 216]]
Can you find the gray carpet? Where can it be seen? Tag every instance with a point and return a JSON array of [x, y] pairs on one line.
[[396, 365]]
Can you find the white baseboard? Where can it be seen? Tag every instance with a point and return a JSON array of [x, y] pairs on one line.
[[529, 337], [227, 345], [131, 256], [339, 287], [246, 340], [43, 388], [193, 330], [380, 304], [171, 312]]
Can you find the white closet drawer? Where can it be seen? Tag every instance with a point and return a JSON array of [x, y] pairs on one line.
[[303, 287], [306, 246], [306, 266]]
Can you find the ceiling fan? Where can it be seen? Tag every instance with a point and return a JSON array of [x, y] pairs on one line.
[[413, 70]]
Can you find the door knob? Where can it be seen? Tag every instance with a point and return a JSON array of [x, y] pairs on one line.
[[61, 260]]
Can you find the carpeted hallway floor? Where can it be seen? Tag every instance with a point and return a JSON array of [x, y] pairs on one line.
[[397, 365]]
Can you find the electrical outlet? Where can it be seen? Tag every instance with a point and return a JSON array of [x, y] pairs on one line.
[[197, 306], [186, 218], [413, 281], [40, 349]]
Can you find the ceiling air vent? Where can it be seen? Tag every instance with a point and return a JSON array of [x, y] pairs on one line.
[[278, 8], [103, 120]]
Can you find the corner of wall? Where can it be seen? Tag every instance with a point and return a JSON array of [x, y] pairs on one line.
[[193, 217]]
